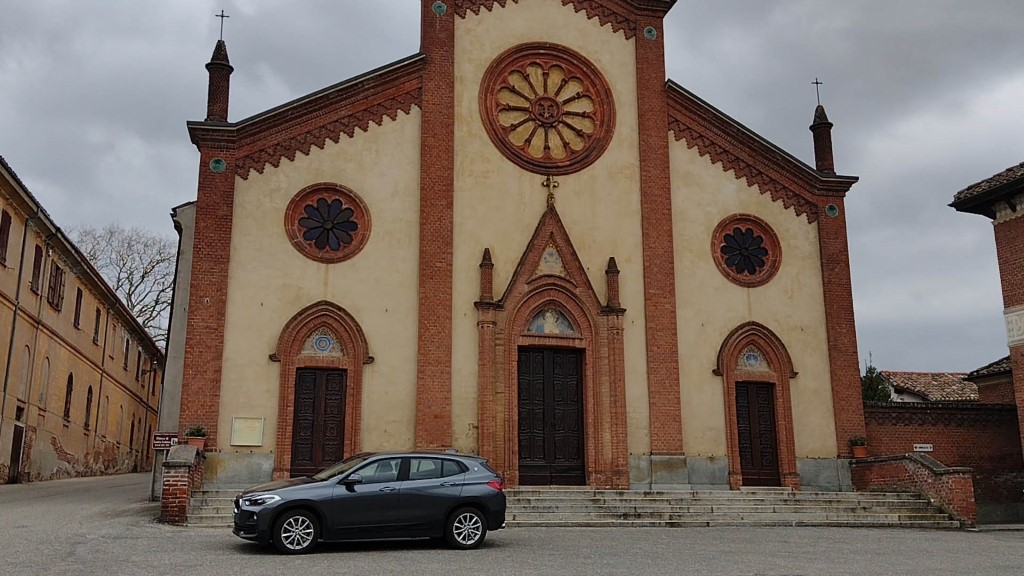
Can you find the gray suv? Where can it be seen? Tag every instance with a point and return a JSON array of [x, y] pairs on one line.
[[449, 496]]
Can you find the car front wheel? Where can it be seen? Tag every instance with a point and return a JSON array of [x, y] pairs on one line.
[[296, 532], [466, 529]]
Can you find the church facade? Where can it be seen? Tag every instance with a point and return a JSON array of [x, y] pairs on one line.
[[521, 242]]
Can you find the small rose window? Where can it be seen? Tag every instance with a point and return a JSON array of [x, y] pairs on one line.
[[327, 223], [746, 250]]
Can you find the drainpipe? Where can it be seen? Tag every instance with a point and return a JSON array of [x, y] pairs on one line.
[[14, 315]]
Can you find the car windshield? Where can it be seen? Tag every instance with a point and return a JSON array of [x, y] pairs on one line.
[[341, 467]]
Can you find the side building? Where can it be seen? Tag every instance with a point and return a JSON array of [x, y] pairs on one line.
[[81, 376]]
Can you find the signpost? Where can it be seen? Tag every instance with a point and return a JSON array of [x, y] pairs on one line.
[[164, 440]]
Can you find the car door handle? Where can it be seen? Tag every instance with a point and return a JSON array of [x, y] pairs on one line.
[[449, 484], [387, 489]]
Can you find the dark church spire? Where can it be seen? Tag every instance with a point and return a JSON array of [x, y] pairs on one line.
[[822, 130], [220, 70]]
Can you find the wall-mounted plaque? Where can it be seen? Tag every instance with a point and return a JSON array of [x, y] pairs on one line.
[[246, 431]]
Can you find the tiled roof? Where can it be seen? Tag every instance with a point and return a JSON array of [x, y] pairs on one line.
[[934, 386], [1001, 366], [1008, 175]]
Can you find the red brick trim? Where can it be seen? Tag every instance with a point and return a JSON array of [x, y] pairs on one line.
[[749, 157], [204, 343], [752, 333], [436, 233], [771, 243], [952, 489], [551, 123], [840, 326], [329, 191], [298, 126], [289, 353], [503, 328], [1017, 365], [658, 246], [620, 15]]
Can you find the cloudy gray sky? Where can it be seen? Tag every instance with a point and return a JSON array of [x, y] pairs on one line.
[[927, 96]]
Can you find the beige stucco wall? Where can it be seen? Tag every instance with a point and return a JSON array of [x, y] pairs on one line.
[[498, 204], [710, 306], [269, 281]]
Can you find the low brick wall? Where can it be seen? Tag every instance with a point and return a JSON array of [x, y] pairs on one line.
[[952, 489], [183, 473], [983, 437]]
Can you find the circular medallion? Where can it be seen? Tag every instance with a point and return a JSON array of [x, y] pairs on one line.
[[547, 108], [323, 344], [327, 222], [746, 250], [218, 165], [832, 210], [650, 33], [439, 8]]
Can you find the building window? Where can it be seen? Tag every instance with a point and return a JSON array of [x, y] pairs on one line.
[[88, 407], [55, 290], [5, 235], [37, 269], [67, 397], [138, 365], [131, 433], [127, 345], [96, 326], [78, 308]]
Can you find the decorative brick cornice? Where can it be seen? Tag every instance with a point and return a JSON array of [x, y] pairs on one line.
[[310, 121], [620, 15], [954, 414], [727, 142]]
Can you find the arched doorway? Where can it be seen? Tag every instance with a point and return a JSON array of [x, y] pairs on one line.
[[322, 351], [756, 370]]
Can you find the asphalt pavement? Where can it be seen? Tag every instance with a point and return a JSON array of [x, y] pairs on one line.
[[106, 526]]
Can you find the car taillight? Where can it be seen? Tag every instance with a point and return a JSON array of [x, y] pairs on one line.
[[496, 484]]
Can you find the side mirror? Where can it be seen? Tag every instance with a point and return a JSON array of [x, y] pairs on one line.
[[352, 479]]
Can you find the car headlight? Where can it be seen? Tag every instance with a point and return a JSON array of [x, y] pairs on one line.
[[260, 500]]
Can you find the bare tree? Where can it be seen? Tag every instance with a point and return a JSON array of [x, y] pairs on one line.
[[139, 265]]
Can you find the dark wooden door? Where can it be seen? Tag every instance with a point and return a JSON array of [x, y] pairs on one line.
[[318, 428], [755, 419], [551, 417], [16, 443]]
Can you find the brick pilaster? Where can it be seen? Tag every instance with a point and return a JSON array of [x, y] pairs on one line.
[[658, 247], [844, 366], [437, 190], [204, 341], [1009, 233]]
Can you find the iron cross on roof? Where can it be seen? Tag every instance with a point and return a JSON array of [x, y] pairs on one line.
[[817, 92], [222, 16]]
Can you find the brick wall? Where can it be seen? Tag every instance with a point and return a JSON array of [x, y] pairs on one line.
[[998, 393], [950, 488], [983, 437]]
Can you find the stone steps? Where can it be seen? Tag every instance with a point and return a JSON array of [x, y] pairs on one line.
[[593, 508]]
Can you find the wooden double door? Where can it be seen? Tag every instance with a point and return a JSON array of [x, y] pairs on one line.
[[551, 445], [318, 427], [758, 436]]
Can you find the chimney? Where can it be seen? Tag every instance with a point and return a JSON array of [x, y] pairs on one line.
[[220, 83], [822, 130]]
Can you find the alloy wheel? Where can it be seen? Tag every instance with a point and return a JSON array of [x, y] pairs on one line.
[[297, 532], [467, 528]]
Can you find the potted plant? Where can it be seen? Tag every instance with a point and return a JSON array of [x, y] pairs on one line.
[[196, 436], [859, 444]]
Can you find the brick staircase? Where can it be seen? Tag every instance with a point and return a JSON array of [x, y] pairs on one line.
[[587, 507]]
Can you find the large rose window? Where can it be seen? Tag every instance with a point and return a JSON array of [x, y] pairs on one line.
[[746, 250], [327, 222], [547, 108]]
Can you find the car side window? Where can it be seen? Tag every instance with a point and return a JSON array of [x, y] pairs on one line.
[[451, 468], [424, 468], [380, 471]]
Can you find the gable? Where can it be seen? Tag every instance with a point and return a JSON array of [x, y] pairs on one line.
[[738, 149]]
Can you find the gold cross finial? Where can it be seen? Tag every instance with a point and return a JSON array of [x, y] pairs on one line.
[[550, 183]]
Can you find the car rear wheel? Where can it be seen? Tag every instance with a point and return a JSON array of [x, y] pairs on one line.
[[466, 529], [296, 532]]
